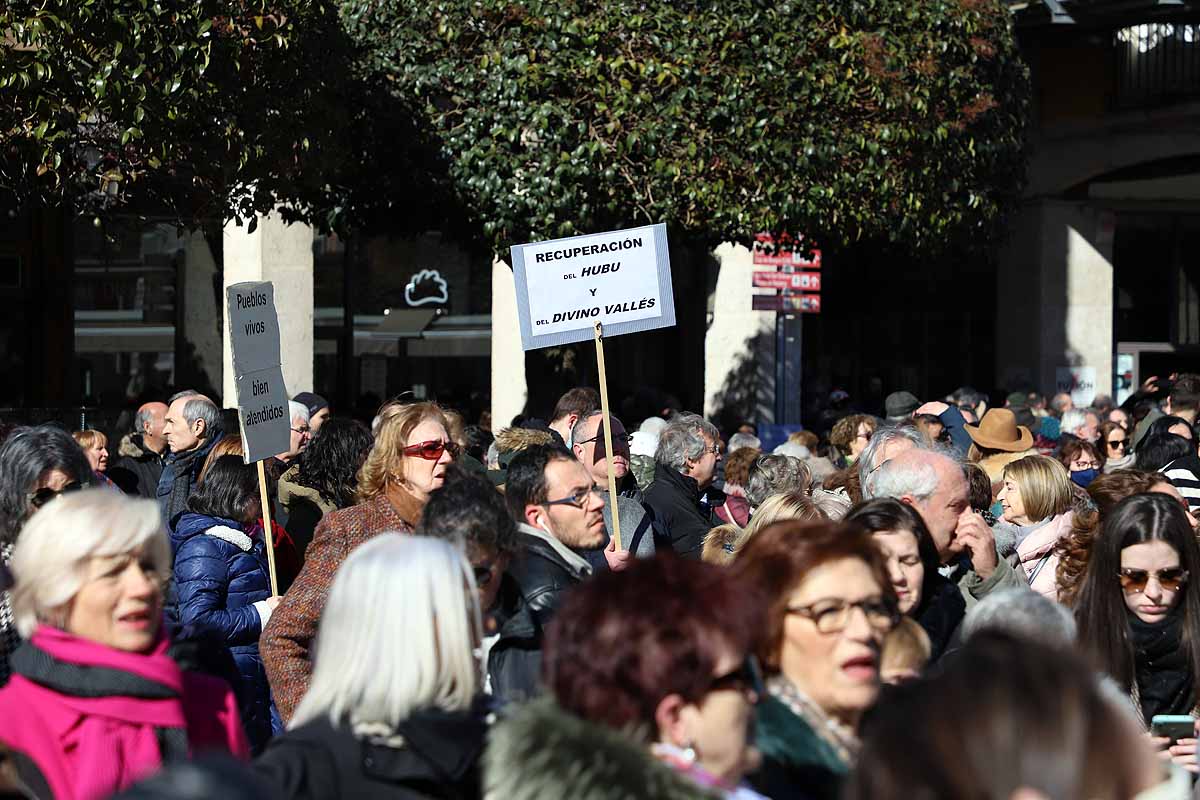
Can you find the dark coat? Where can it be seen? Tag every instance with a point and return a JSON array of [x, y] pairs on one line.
[[515, 660], [178, 478], [137, 469], [543, 575], [796, 762], [220, 572], [439, 758], [675, 500]]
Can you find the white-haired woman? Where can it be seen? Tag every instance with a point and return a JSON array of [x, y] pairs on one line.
[[95, 703], [393, 708]]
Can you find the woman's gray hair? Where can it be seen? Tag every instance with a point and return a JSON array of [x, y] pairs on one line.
[[881, 438], [1023, 613], [398, 634], [682, 440], [776, 475], [50, 562], [26, 455], [740, 440], [1073, 420]]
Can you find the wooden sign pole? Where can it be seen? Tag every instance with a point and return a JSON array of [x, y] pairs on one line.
[[266, 515], [608, 445]]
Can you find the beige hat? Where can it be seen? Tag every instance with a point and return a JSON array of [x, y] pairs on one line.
[[998, 430]]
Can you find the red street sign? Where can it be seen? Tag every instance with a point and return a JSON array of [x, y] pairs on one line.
[[787, 258], [800, 281], [804, 303]]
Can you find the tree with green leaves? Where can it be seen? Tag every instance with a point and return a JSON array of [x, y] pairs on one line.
[[202, 109], [879, 119]]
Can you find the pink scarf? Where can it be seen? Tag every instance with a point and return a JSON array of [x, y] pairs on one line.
[[89, 747]]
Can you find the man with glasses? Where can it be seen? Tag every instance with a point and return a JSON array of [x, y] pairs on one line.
[[686, 461], [637, 532], [301, 432], [557, 507]]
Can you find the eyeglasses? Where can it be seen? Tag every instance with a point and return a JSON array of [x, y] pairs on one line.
[[302, 431], [433, 449], [45, 494], [1080, 466], [715, 449], [832, 616], [746, 677], [617, 438], [579, 499], [1119, 444], [1134, 581]]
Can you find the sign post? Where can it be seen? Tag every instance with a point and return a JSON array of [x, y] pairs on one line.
[[262, 400], [570, 290]]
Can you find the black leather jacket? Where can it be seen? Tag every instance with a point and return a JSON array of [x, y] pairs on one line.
[[543, 576], [515, 661], [675, 501]]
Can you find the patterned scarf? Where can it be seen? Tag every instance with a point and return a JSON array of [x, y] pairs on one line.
[[841, 738]]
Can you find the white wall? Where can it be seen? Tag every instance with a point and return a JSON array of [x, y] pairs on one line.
[[509, 387]]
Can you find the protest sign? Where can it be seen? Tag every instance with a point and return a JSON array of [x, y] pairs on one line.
[[621, 279], [262, 398], [584, 287]]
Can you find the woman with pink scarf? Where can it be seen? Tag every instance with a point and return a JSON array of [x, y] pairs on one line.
[[95, 703]]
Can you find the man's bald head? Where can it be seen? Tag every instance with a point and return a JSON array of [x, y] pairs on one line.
[[149, 422]]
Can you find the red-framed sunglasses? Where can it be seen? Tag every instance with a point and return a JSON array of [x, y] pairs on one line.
[[432, 450]]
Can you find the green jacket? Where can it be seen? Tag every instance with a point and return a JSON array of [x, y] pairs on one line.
[[797, 763]]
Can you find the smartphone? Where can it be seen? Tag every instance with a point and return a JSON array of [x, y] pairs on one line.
[[1175, 726]]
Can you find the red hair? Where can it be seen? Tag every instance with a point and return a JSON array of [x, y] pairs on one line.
[[625, 640]]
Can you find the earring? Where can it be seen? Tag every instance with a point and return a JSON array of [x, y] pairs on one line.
[[689, 753]]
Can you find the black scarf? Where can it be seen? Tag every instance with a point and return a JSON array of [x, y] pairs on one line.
[[941, 612], [77, 680], [1162, 667]]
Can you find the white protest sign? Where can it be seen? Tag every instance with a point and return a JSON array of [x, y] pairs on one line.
[[565, 286], [262, 398]]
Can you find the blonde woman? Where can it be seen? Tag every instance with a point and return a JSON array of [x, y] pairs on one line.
[[406, 463], [1035, 495], [392, 710], [95, 447]]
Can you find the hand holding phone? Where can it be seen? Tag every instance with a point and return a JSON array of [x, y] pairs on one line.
[[1173, 726]]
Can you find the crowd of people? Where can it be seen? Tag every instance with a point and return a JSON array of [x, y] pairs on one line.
[[947, 600]]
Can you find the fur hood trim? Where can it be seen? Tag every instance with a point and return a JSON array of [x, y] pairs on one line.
[[542, 751], [513, 439], [237, 538], [131, 446]]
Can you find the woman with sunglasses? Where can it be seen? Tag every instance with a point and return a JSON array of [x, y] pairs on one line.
[[37, 464], [407, 462], [1115, 441], [1139, 609], [639, 705], [831, 604]]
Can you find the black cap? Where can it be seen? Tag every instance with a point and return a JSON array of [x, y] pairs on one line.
[[313, 402]]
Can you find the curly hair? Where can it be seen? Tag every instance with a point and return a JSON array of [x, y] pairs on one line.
[[385, 462], [1074, 550], [1072, 448], [738, 464], [846, 429], [331, 462]]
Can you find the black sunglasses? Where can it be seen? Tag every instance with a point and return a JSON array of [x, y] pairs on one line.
[[46, 494], [1118, 445], [746, 677]]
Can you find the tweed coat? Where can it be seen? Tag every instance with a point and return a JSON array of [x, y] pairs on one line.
[[287, 639]]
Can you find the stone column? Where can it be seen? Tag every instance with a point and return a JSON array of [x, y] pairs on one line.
[[282, 254], [1055, 296], [739, 347], [509, 387]]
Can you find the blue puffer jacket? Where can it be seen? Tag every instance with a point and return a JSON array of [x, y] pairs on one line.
[[220, 572]]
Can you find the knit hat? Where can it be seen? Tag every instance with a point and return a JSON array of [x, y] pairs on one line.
[[313, 402], [900, 405]]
